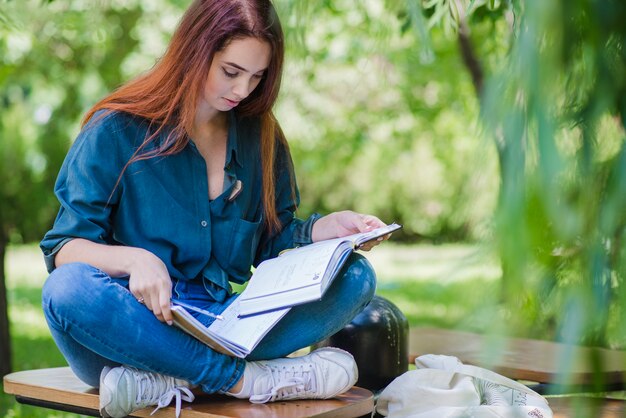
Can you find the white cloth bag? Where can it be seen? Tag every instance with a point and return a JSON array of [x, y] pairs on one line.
[[443, 387]]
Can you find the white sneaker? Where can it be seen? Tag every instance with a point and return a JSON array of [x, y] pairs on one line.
[[322, 374], [125, 389]]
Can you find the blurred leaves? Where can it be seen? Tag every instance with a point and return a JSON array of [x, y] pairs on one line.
[[363, 103], [378, 126], [556, 112], [57, 58]]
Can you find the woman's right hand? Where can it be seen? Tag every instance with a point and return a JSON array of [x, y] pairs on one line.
[[151, 284], [149, 280]]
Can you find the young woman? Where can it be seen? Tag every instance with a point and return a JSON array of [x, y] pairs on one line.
[[178, 183]]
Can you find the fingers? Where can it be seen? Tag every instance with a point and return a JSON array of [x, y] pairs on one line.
[[339, 224], [372, 221], [136, 292], [366, 223], [164, 304], [359, 222], [371, 244], [353, 222], [158, 301], [151, 285]]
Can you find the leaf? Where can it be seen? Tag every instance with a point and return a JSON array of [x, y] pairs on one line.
[[429, 4], [420, 27], [454, 11], [470, 6]]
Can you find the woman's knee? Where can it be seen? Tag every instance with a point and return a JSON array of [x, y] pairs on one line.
[[359, 277], [67, 282]]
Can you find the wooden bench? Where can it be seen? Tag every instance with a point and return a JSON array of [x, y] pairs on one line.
[[59, 388], [548, 363], [520, 359], [577, 406]]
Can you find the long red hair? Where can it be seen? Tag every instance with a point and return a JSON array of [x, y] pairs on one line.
[[168, 93]]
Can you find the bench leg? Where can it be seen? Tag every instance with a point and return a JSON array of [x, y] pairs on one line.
[[58, 406]]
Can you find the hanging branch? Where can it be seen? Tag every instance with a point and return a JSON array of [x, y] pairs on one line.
[[469, 57]]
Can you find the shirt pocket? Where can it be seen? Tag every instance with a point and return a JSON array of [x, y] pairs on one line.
[[244, 241]]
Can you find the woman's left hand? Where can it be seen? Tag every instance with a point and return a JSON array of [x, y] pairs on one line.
[[340, 224]]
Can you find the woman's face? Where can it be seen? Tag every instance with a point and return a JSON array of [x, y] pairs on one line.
[[235, 72]]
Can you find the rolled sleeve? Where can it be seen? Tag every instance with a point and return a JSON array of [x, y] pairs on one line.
[[50, 254], [303, 230], [85, 189]]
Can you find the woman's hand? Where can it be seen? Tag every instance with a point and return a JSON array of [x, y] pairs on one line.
[[151, 284], [340, 224], [149, 279]]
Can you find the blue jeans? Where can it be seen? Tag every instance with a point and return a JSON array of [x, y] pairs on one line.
[[96, 322]]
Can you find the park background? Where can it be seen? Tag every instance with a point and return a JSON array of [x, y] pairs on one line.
[[493, 130]]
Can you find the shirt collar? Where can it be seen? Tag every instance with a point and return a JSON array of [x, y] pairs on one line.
[[232, 149]]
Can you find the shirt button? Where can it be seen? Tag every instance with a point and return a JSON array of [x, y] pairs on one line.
[[204, 224]]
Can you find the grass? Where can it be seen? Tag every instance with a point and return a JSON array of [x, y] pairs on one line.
[[31, 342], [445, 286]]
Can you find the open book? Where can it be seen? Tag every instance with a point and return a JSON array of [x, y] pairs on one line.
[[297, 276], [303, 274], [229, 334]]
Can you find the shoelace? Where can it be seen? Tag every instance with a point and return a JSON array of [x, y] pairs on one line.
[[156, 389], [287, 383], [174, 392]]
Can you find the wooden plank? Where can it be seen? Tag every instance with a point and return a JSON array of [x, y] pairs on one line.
[[61, 386], [55, 385], [571, 407], [521, 359]]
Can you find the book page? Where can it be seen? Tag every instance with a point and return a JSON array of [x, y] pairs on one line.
[[362, 238], [297, 268], [245, 332], [185, 321], [301, 275]]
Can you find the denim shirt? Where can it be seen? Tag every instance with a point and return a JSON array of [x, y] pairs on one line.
[[161, 204]]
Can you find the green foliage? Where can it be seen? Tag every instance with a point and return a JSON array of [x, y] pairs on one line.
[[55, 62], [377, 126], [363, 104], [562, 127], [555, 108]]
